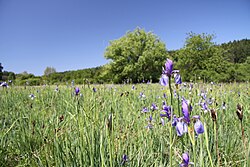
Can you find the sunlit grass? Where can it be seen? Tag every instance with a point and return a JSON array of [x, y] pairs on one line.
[[98, 128]]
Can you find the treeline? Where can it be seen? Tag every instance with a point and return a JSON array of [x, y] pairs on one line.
[[227, 62], [84, 76], [143, 56]]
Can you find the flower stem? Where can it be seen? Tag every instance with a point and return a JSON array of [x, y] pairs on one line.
[[171, 120], [216, 142], [242, 133]]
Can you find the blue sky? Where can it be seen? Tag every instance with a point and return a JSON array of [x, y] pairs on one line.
[[73, 34]]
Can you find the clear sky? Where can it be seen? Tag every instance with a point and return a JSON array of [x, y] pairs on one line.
[[73, 34]]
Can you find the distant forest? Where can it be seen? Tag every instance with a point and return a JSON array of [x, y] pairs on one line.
[[234, 65]]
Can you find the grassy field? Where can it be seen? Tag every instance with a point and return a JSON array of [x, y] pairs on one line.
[[107, 127]]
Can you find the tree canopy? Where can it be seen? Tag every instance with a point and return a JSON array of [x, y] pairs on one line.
[[139, 55], [49, 70], [201, 58]]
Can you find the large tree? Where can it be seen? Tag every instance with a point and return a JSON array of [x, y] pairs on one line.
[[201, 58], [138, 56], [49, 70]]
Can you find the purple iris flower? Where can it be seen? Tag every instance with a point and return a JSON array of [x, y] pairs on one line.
[[142, 95], [164, 80], [154, 107], [77, 90], [180, 126], [32, 96], [210, 101], [191, 86], [124, 159], [204, 107], [150, 124], [175, 120], [4, 84], [168, 68], [150, 118], [175, 94], [162, 121], [94, 89], [177, 78], [144, 110], [198, 127], [203, 95], [166, 111], [164, 95], [185, 110], [185, 160]]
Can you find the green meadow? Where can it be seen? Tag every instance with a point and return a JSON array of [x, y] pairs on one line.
[[107, 127]]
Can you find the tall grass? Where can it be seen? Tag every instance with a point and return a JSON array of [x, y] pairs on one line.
[[98, 128]]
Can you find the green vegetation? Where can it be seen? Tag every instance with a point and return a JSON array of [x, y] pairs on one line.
[[58, 128], [138, 56]]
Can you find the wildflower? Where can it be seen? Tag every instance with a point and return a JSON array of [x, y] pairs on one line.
[[204, 107], [150, 122], [185, 160], [77, 90], [32, 96], [185, 110], [142, 95], [150, 119], [168, 68], [94, 89], [203, 95], [190, 86], [224, 105], [181, 127], [210, 101], [124, 159], [175, 120], [162, 121], [56, 89], [166, 111], [4, 84], [154, 107], [164, 80], [198, 127], [177, 78], [175, 94], [144, 110], [133, 87], [164, 95]]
